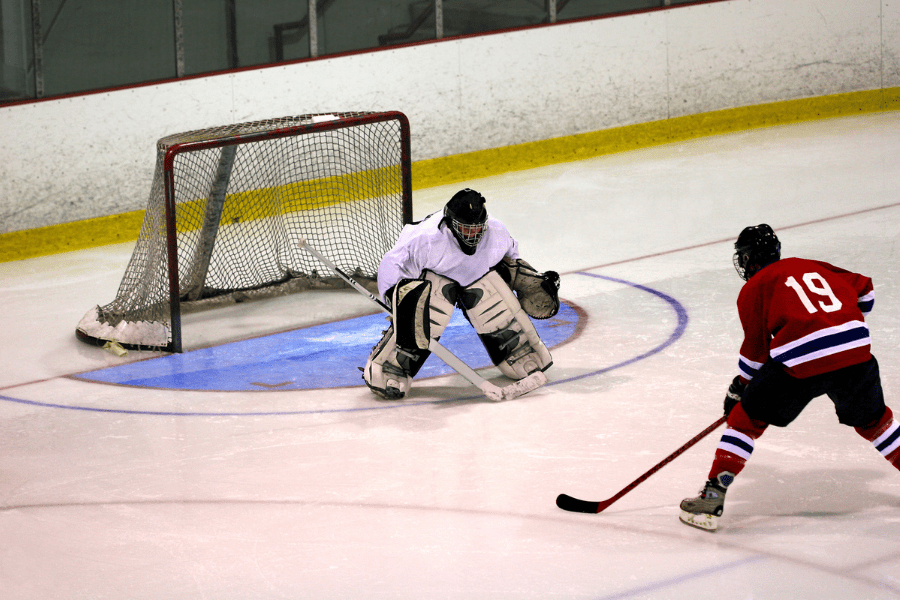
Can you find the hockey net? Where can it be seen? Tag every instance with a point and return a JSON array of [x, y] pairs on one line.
[[229, 205]]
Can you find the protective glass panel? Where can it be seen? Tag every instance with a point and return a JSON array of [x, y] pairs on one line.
[[90, 45]]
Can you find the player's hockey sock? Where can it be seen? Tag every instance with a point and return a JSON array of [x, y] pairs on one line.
[[885, 436], [737, 442]]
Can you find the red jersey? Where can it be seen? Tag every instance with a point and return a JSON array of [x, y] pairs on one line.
[[805, 314]]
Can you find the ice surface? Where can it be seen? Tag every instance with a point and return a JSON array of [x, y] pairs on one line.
[[110, 491]]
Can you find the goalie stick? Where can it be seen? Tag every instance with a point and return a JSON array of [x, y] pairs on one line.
[[571, 504], [492, 391]]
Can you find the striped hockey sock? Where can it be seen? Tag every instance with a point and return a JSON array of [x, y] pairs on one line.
[[733, 452], [885, 436], [888, 444], [737, 443]]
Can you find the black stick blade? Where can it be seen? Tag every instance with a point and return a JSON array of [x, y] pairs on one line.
[[575, 505], [583, 506]]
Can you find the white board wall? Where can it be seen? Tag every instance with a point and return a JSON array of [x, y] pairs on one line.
[[93, 155]]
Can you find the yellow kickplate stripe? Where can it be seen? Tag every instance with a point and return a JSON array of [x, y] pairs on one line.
[[66, 237], [484, 163], [125, 227]]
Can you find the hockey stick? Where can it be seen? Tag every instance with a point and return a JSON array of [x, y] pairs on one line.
[[584, 506], [492, 391]]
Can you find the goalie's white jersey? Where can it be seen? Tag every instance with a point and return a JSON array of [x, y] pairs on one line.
[[430, 245]]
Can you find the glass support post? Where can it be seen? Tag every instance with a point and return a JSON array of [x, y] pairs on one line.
[[313, 30], [438, 19], [179, 37], [37, 40]]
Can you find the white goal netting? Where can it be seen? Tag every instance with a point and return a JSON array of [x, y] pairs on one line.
[[228, 206]]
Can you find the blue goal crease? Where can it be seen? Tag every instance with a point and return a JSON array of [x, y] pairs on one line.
[[303, 359]]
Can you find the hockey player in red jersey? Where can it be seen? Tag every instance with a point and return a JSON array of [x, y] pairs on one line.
[[805, 336]]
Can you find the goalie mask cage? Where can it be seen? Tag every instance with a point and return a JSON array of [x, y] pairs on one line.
[[228, 206]]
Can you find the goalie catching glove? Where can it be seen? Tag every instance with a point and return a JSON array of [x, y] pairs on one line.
[[538, 293]]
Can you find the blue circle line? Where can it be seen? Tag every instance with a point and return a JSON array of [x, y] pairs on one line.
[[675, 335], [680, 311]]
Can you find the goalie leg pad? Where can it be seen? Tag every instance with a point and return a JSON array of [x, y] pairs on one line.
[[411, 313], [441, 302], [505, 330], [392, 365], [390, 368]]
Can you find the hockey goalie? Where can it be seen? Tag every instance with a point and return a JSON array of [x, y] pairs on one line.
[[459, 257]]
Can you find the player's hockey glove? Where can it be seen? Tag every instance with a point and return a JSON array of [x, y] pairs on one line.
[[734, 394]]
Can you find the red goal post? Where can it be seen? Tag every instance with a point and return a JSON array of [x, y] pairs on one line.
[[229, 204]]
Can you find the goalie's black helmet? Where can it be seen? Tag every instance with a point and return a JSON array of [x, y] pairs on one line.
[[756, 247], [466, 217]]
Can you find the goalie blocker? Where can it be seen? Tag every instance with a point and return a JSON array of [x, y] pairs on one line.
[[499, 317]]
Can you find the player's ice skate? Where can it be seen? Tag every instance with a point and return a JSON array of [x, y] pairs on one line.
[[703, 512]]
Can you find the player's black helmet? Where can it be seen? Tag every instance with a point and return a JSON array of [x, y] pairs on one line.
[[756, 247], [466, 217]]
